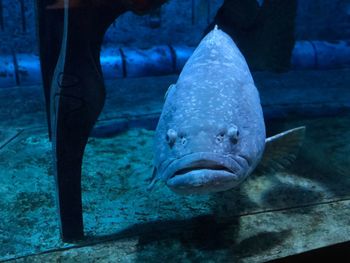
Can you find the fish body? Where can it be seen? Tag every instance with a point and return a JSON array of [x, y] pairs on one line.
[[211, 133]]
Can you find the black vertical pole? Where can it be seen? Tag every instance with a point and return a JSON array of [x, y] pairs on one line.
[[77, 99], [23, 16], [1, 16]]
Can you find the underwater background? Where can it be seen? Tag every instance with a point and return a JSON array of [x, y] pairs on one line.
[[299, 55]]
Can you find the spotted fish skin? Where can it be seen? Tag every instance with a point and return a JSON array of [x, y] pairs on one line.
[[211, 133]]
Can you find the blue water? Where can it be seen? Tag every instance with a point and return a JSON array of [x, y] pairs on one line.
[[299, 55]]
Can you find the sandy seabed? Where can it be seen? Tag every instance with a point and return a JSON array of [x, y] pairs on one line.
[[116, 172]]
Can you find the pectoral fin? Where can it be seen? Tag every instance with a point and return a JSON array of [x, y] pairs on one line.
[[281, 150], [153, 180]]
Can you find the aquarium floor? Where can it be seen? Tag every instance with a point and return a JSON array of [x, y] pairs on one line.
[[269, 216]]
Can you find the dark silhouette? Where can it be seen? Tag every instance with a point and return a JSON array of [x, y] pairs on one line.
[[70, 36], [263, 32]]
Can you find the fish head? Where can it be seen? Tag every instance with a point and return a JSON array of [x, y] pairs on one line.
[[204, 156]]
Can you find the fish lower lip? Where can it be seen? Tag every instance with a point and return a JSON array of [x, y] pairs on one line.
[[191, 169], [202, 181]]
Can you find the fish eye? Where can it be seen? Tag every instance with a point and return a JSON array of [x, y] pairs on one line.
[[171, 136], [233, 134]]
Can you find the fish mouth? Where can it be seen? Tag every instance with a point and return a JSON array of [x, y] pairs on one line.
[[201, 173], [205, 167]]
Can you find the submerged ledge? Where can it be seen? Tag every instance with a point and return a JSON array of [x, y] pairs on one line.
[[137, 102]]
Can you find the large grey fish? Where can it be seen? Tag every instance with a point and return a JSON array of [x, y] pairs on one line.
[[211, 133]]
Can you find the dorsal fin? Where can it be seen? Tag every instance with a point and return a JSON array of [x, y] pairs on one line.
[[170, 89]]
